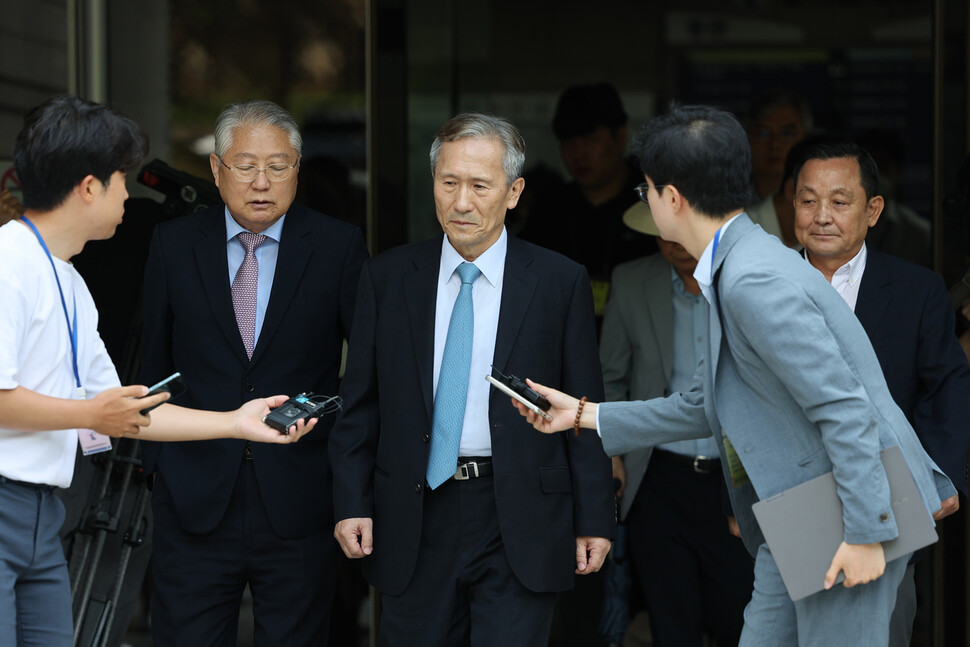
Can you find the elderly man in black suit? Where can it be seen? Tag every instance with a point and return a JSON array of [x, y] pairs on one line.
[[904, 309], [469, 522], [247, 299]]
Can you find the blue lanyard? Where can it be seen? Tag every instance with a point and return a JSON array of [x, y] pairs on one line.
[[71, 327], [717, 237]]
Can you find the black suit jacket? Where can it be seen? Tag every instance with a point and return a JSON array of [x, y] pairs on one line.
[[190, 326], [908, 316], [549, 489]]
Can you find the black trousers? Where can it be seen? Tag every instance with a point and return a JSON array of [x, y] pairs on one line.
[[200, 579], [463, 592], [696, 577]]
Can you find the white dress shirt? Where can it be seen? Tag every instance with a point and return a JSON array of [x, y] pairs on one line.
[[476, 439], [848, 279], [704, 272]]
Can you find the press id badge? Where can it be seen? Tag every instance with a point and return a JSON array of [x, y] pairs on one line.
[[91, 441], [738, 474]]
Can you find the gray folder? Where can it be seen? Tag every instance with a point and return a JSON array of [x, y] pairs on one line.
[[803, 525]]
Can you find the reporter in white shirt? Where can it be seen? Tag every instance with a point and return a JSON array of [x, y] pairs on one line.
[[58, 386]]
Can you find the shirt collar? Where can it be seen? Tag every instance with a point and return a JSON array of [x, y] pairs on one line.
[[233, 228], [491, 262], [703, 273], [852, 271]]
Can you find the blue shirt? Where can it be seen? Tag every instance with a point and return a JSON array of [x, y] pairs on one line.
[[266, 255], [690, 336]]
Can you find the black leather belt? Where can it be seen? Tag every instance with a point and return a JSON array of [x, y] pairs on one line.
[[473, 468], [700, 464], [43, 487]]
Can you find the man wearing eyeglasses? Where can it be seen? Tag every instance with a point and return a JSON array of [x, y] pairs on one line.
[[777, 120], [654, 335], [251, 298], [789, 385]]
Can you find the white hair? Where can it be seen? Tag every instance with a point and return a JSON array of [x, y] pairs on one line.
[[255, 113]]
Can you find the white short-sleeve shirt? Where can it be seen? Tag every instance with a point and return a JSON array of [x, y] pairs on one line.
[[35, 352]]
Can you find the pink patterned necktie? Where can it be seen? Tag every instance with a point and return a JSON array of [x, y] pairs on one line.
[[244, 290]]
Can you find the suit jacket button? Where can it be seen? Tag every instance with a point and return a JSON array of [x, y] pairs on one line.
[[426, 438], [250, 386], [418, 487], [884, 517]]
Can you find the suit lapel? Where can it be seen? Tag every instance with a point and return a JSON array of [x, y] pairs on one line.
[[518, 287], [714, 317], [874, 292], [210, 256], [420, 295], [727, 240], [291, 262]]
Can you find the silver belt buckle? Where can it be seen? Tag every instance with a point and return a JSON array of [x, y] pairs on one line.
[[466, 471], [697, 465]]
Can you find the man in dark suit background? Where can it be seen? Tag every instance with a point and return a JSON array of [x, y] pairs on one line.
[[469, 521], [904, 309], [238, 323]]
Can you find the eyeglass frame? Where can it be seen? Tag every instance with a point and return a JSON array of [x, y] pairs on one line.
[[233, 170], [643, 189]]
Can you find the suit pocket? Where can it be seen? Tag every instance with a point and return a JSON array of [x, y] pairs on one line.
[[812, 455], [555, 479]]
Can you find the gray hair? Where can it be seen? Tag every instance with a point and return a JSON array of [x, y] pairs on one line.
[[473, 124], [255, 113]]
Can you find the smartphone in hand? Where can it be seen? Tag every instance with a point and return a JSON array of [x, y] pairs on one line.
[[535, 402], [173, 384]]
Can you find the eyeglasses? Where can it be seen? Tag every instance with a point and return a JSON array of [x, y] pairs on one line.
[[249, 172], [643, 189]]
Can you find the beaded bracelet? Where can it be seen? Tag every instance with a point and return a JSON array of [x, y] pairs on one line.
[[579, 413]]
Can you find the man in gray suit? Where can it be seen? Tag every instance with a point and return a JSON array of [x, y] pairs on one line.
[[789, 386], [696, 578]]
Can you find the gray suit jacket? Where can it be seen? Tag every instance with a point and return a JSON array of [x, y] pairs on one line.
[[791, 378], [637, 346]]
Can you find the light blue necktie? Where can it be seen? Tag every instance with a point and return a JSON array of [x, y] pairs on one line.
[[449, 401]]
